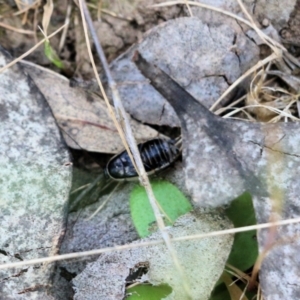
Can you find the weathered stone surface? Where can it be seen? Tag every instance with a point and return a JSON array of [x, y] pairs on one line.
[[204, 59], [223, 158], [111, 226], [204, 56], [202, 261], [277, 13], [35, 174]]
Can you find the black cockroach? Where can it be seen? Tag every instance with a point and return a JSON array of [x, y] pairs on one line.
[[156, 154]]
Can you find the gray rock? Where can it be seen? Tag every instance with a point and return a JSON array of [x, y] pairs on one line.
[[277, 13], [35, 174], [202, 261], [203, 57], [223, 158]]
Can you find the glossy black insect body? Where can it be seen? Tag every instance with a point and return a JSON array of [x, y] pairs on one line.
[[156, 154]]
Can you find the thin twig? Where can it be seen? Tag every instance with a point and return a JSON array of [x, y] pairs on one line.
[[109, 107], [133, 149], [35, 22]]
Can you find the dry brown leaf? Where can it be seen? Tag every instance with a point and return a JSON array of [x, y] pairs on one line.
[[82, 116]]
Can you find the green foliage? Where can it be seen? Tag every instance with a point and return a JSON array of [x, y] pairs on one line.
[[170, 199], [148, 292], [241, 212], [52, 55], [244, 251], [245, 248]]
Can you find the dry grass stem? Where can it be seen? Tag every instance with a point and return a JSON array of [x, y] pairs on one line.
[[259, 295], [227, 13], [105, 201], [35, 22], [64, 33], [109, 107], [238, 273], [233, 289], [108, 12], [24, 10], [231, 105], [31, 49], [224, 12], [79, 188], [188, 7], [21, 4], [267, 101], [48, 11], [256, 67], [43, 69], [85, 192], [19, 30], [276, 47], [146, 244], [273, 109]]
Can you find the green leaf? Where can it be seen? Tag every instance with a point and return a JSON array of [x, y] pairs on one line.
[[52, 55], [245, 248], [244, 251], [148, 292], [169, 197]]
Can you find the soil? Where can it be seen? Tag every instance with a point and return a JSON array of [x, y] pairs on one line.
[[119, 24]]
